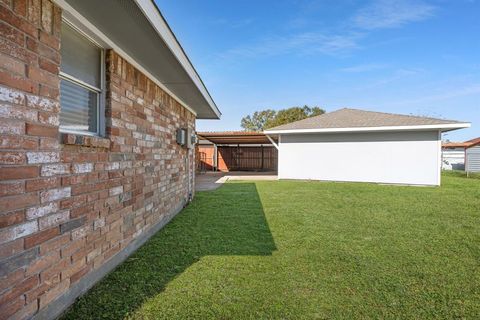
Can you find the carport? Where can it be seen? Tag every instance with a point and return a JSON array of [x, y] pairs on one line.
[[235, 151]]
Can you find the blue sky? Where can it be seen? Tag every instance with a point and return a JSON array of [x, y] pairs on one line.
[[400, 56]]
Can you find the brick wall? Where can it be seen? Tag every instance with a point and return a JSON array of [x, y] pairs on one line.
[[69, 203]]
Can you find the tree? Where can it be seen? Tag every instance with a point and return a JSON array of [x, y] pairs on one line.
[[257, 121], [261, 120]]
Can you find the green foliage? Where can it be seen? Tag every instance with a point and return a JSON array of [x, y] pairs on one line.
[[258, 120], [261, 120], [305, 250]]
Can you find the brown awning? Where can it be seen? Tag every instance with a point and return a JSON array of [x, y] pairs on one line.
[[234, 137]]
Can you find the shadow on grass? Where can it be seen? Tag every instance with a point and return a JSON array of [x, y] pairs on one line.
[[227, 221]]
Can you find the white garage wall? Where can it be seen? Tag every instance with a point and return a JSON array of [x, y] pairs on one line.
[[386, 157]]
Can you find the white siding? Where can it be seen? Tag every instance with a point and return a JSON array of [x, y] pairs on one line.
[[384, 157], [473, 159], [453, 159]]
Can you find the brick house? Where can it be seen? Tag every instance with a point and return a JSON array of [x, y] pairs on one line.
[[92, 94]]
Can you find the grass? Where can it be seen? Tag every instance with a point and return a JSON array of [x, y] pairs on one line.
[[305, 250]]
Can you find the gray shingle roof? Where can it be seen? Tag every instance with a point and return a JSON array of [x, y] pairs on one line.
[[354, 118]]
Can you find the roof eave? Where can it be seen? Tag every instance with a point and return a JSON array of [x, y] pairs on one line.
[[441, 127], [158, 22], [197, 99]]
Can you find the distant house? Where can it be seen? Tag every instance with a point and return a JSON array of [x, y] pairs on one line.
[[472, 157], [453, 154], [357, 145]]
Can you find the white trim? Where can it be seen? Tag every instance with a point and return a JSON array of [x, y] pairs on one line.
[[79, 82], [386, 128], [81, 133], [110, 44], [156, 20], [439, 157], [272, 141]]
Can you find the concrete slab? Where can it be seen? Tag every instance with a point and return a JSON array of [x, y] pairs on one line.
[[213, 180]]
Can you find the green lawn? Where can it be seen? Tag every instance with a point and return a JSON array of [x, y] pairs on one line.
[[305, 250]]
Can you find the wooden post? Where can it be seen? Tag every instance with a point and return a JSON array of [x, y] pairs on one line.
[[262, 158]]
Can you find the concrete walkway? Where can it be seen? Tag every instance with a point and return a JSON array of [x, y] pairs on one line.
[[212, 180]]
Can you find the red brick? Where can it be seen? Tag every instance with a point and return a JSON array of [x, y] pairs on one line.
[[12, 34], [11, 188], [48, 66], [55, 270], [42, 76], [49, 143], [42, 184], [11, 248], [81, 211], [17, 82], [10, 157], [17, 22], [12, 64], [32, 295], [73, 247], [18, 142], [79, 274], [52, 294], [49, 53], [31, 44], [50, 40], [41, 237], [42, 263], [39, 130], [19, 289], [49, 92], [54, 244], [10, 279], [20, 7], [11, 307], [73, 268], [25, 172], [26, 312], [12, 49], [11, 218]]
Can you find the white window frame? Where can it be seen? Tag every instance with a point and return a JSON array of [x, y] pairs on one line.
[[100, 131]]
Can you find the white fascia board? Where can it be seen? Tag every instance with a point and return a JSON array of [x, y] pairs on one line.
[[440, 127], [151, 12], [75, 18]]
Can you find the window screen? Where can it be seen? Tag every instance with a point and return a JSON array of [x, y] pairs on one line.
[[80, 85]]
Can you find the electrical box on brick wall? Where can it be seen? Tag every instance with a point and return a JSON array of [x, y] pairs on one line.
[[186, 138], [182, 137], [191, 138]]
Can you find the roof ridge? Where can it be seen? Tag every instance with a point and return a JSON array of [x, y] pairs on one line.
[[397, 114], [356, 118]]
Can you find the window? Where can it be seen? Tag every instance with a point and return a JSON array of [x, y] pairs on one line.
[[81, 83]]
